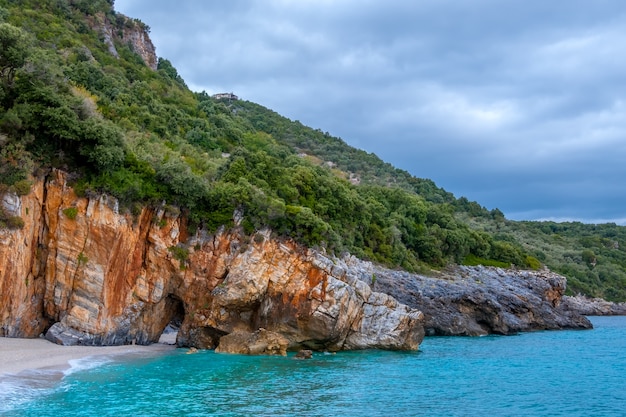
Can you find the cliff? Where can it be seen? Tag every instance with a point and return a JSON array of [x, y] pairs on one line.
[[474, 301], [85, 273], [126, 31]]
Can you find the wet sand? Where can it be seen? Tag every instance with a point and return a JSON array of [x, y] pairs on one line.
[[17, 355]]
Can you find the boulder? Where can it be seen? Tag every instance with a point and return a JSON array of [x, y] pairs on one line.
[[304, 354], [260, 342]]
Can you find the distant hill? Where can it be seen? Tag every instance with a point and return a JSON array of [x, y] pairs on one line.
[[82, 89]]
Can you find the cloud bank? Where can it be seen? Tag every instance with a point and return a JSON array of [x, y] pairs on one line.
[[516, 105]]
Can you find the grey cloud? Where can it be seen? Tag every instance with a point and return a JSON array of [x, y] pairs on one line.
[[518, 105]]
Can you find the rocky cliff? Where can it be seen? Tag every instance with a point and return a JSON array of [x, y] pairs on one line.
[[473, 301], [85, 273], [126, 31]]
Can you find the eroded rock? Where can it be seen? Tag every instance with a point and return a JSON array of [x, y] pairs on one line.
[[104, 277], [593, 306], [472, 301], [260, 342], [304, 354]]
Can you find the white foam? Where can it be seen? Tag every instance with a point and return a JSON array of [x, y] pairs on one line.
[[18, 389], [86, 363]]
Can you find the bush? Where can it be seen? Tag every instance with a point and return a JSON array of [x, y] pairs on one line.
[[181, 254], [15, 222], [532, 262], [70, 213], [22, 187], [82, 259], [473, 260]]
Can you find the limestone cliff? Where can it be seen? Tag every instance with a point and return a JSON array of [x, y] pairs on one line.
[[127, 31], [87, 274]]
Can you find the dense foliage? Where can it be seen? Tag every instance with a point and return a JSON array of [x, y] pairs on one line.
[[593, 257], [74, 95]]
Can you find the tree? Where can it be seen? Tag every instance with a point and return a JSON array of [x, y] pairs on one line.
[[14, 49], [165, 67], [589, 257]]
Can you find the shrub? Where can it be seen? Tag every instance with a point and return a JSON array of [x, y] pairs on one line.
[[22, 187], [82, 259], [70, 213], [14, 222], [181, 254], [532, 262], [473, 260]]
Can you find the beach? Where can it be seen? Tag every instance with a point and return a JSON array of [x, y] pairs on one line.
[[18, 355]]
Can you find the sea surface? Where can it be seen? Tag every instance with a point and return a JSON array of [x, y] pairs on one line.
[[556, 373]]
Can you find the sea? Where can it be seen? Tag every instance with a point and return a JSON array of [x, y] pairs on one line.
[[547, 373]]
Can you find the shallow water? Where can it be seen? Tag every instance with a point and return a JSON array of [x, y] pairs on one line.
[[563, 373]]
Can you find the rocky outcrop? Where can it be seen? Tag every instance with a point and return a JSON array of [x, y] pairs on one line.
[[127, 31], [90, 275], [260, 342], [472, 301], [593, 306]]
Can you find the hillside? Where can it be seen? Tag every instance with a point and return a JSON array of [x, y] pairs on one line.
[[82, 90]]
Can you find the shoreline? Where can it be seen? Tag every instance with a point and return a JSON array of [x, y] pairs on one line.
[[18, 355]]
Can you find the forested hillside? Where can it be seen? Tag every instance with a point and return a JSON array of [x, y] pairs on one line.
[[74, 94]]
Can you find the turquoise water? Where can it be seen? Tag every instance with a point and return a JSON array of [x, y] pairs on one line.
[[564, 373]]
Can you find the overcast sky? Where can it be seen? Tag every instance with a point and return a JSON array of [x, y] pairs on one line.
[[519, 105]]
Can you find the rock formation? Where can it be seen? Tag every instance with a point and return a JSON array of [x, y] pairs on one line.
[[472, 301], [126, 31], [593, 306], [88, 274], [260, 342]]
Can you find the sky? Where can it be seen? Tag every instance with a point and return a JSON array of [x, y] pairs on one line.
[[516, 104]]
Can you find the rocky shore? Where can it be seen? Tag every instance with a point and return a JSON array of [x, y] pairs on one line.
[[87, 274], [593, 306], [473, 301]]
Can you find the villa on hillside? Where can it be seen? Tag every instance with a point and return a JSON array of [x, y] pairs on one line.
[[225, 96]]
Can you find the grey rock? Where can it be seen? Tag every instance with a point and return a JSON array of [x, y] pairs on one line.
[[593, 306], [473, 301]]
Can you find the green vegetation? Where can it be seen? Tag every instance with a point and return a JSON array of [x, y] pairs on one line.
[[124, 129], [181, 254], [592, 257], [473, 260], [82, 259], [10, 222], [70, 213]]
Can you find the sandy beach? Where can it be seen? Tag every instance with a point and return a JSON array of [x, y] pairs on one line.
[[17, 355]]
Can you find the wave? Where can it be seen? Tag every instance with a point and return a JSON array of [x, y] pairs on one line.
[[27, 386], [86, 363]]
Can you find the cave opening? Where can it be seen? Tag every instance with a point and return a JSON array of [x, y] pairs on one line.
[[175, 315]]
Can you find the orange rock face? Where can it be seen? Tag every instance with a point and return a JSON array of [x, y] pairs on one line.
[[87, 274]]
